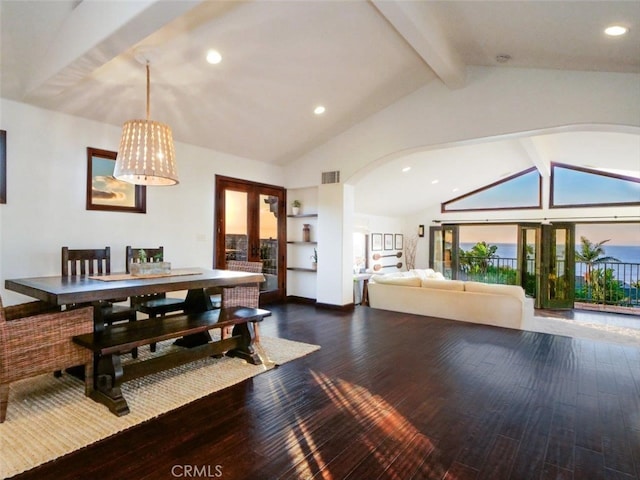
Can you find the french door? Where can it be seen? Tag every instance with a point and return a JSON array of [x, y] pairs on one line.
[[546, 259], [250, 225], [443, 254]]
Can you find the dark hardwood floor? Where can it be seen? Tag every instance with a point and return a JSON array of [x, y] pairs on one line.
[[396, 396]]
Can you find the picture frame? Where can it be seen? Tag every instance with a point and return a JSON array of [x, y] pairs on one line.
[[398, 241], [3, 166], [388, 241], [105, 192], [376, 242]]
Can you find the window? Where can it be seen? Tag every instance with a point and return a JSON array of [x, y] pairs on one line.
[[582, 187], [519, 191]]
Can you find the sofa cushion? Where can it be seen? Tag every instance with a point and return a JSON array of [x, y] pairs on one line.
[[427, 273], [455, 285], [404, 280], [495, 288]]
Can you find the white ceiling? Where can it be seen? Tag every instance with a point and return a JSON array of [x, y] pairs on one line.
[[282, 58]]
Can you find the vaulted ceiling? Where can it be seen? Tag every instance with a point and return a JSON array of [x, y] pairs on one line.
[[281, 59]]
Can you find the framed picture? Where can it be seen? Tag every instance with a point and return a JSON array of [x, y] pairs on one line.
[[3, 166], [105, 192], [398, 241], [388, 241], [376, 241]]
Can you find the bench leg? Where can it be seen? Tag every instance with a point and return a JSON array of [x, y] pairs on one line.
[[245, 348], [107, 385]]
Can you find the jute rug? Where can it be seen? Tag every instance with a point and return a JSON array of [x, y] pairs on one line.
[[49, 417]]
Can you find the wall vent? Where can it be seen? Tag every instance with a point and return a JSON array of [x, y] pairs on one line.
[[331, 177]]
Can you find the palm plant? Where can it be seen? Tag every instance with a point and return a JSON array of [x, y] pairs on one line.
[[592, 254]]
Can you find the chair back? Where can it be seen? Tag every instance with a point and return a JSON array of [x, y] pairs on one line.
[[152, 255], [243, 295], [242, 266], [86, 262]]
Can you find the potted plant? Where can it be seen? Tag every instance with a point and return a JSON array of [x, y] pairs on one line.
[[295, 207], [314, 259], [145, 266]]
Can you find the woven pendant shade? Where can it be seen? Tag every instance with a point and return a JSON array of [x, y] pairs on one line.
[[146, 155]]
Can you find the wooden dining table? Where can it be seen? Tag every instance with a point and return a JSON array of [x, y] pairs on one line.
[[74, 290], [91, 290]]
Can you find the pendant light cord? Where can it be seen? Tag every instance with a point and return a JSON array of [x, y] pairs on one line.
[[148, 92]]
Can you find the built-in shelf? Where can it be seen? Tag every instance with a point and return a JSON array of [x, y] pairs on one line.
[[297, 269], [302, 243], [303, 215]]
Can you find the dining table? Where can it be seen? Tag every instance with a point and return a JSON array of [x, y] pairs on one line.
[[108, 373], [93, 289]]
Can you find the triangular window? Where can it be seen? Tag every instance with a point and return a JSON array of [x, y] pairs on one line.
[[582, 187], [519, 191]]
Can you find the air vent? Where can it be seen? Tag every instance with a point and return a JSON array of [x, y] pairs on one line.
[[331, 177]]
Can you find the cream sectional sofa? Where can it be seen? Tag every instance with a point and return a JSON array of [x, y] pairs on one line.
[[424, 292]]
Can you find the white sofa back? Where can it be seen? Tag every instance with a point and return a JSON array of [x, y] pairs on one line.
[[490, 304]]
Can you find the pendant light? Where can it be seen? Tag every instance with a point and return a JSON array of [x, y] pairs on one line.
[[147, 154]]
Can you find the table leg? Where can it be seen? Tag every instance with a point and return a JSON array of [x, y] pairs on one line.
[[108, 377], [196, 301], [245, 350]]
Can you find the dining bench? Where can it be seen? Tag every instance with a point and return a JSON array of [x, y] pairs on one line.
[[191, 331]]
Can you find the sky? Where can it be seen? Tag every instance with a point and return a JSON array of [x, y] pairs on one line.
[[618, 234]]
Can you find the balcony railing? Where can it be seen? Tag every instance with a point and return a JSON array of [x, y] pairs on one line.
[[610, 283]]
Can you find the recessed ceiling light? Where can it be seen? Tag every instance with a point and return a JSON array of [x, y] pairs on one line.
[[319, 110], [455, 189], [214, 57], [616, 30], [433, 182], [406, 169]]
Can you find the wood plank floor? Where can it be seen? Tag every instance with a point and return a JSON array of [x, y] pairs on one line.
[[396, 396]]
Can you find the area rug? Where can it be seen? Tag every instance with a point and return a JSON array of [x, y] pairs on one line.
[[49, 417]]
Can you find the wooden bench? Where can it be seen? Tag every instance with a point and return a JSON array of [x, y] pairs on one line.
[[191, 329]]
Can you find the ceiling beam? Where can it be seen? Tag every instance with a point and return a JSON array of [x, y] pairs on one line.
[[417, 24], [94, 33], [533, 153]]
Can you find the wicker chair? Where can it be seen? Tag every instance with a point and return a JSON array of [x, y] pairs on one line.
[[36, 338], [152, 304], [243, 295]]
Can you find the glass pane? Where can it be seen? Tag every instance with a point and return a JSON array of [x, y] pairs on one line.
[[437, 249], [577, 187], [519, 191], [557, 271], [529, 262], [447, 269], [268, 232], [236, 234]]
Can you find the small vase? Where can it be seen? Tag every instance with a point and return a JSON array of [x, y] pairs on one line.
[[295, 210], [314, 265], [306, 232]]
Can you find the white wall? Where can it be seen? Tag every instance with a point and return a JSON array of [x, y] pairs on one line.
[[46, 190]]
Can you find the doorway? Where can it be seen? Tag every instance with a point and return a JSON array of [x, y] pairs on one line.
[[251, 226]]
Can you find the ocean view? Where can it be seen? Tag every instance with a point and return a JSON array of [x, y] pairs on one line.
[[624, 253], [628, 274]]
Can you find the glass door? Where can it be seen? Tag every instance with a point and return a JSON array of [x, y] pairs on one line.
[[557, 267], [443, 251], [529, 238], [250, 226]]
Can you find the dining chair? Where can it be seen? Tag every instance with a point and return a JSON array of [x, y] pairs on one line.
[[244, 295], [88, 262], [153, 304], [36, 338]]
